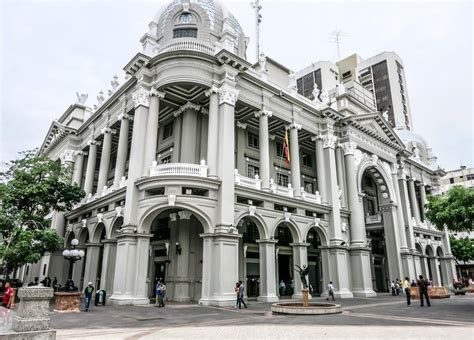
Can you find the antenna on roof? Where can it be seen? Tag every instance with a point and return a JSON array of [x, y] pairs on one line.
[[258, 20], [336, 37]]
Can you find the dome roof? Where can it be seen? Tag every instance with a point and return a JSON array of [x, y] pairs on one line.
[[206, 22], [408, 136]]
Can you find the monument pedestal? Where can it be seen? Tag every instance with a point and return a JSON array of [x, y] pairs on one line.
[[67, 302], [305, 297]]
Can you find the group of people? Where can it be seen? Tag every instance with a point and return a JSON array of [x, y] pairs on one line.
[[160, 293], [404, 287], [240, 293]]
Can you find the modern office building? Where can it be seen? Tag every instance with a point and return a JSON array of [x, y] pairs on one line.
[[188, 178]]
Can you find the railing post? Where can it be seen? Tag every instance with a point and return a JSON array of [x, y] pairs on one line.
[[203, 168], [258, 182], [290, 190], [236, 176]]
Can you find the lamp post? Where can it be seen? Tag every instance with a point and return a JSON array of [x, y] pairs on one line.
[[72, 255]]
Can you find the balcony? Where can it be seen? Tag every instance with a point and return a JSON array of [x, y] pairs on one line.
[[179, 169], [373, 219], [189, 45]]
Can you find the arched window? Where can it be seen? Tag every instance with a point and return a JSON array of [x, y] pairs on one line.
[[185, 26]]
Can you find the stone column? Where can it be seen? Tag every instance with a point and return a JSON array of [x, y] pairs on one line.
[[152, 130], [423, 200], [413, 200], [320, 167], [300, 258], [181, 283], [189, 139], [295, 159], [78, 168], [406, 209], [207, 265], [264, 148], [267, 271], [122, 149], [92, 263], [90, 169], [135, 168], [105, 159], [108, 264], [176, 157], [213, 128], [203, 134], [340, 176], [241, 145], [226, 158], [360, 255], [392, 240]]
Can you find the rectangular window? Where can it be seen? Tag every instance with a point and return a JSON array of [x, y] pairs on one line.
[[252, 140], [308, 187], [185, 33], [307, 159], [252, 170], [168, 131], [451, 180], [45, 266], [470, 177], [165, 160], [279, 149], [282, 179]]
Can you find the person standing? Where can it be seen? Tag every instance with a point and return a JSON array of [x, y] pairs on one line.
[[330, 291], [282, 287], [8, 295], [423, 286], [157, 293], [242, 293], [237, 294], [392, 285], [406, 288], [88, 295], [162, 294]]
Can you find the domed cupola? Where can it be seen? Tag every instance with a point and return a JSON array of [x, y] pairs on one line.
[[202, 25]]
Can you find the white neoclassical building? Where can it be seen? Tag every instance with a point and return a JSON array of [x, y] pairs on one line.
[[187, 179]]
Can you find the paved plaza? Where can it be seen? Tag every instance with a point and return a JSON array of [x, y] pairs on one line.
[[383, 317]]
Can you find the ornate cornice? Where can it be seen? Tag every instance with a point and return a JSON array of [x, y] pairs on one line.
[[228, 95]]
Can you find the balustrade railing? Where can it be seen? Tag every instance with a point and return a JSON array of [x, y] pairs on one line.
[[189, 45], [372, 219], [185, 169], [316, 197], [255, 183]]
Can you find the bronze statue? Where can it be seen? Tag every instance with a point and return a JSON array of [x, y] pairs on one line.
[[303, 272]]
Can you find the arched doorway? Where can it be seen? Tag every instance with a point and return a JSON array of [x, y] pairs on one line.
[[284, 265], [97, 239], [315, 262], [80, 266], [176, 255], [430, 265], [375, 230], [420, 261], [249, 264], [441, 267], [109, 257]]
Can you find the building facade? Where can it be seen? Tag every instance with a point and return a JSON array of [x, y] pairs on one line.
[[186, 177]]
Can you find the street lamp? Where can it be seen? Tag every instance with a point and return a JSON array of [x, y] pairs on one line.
[[72, 255]]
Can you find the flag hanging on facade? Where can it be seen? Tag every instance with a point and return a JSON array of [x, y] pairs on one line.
[[286, 149]]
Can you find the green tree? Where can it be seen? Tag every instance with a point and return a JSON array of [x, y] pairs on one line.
[[454, 210], [462, 249], [32, 188]]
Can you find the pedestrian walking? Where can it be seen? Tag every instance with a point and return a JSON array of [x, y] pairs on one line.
[[397, 286], [88, 295], [242, 293], [8, 294], [330, 291], [423, 285], [237, 295], [162, 294], [406, 288], [392, 285], [157, 293]]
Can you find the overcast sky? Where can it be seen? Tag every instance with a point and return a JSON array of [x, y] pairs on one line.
[[51, 49]]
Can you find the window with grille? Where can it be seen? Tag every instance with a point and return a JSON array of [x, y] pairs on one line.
[[166, 160], [252, 140], [168, 131], [185, 33], [252, 170], [307, 159], [279, 149], [282, 179]]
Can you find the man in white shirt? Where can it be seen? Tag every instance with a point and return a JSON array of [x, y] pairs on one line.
[[330, 291]]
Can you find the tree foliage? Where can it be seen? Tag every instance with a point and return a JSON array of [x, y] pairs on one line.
[[454, 210], [462, 249], [31, 189]]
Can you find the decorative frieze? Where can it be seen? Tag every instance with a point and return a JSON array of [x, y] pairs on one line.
[[141, 96], [228, 95]]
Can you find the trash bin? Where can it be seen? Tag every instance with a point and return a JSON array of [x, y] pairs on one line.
[[100, 297]]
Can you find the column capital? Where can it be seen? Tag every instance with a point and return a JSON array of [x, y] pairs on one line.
[[348, 148], [394, 169], [68, 156], [263, 112], [294, 125], [141, 96], [107, 130], [173, 217], [212, 89], [91, 142], [228, 95], [266, 241], [317, 137], [241, 125], [300, 245], [184, 215], [124, 116], [329, 141], [155, 93]]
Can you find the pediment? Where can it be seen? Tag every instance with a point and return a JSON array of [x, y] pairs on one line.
[[55, 134]]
